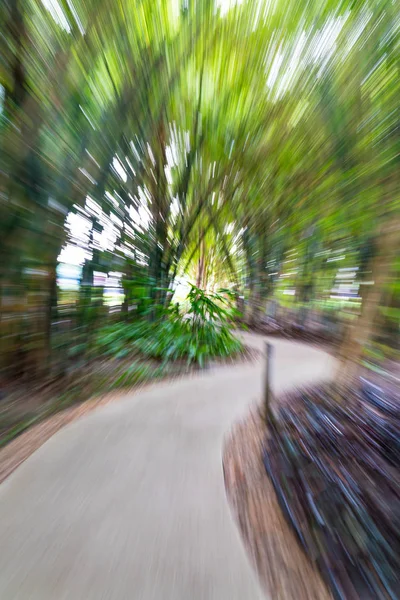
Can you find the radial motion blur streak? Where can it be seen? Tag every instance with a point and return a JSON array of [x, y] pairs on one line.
[[168, 164]]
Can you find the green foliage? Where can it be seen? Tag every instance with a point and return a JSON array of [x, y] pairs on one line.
[[214, 140], [133, 374], [197, 336]]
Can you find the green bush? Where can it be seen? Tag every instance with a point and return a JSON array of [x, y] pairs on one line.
[[200, 334]]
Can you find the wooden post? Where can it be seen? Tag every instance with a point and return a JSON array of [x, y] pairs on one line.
[[267, 382]]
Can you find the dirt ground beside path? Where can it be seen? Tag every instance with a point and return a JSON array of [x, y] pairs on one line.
[[283, 569]]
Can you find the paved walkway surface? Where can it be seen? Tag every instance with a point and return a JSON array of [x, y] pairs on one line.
[[128, 503]]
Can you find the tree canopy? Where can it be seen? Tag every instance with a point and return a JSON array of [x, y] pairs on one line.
[[247, 144]]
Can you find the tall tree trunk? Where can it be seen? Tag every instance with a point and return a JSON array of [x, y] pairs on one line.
[[255, 305], [126, 284], [51, 312], [201, 264], [159, 209], [16, 27], [359, 334]]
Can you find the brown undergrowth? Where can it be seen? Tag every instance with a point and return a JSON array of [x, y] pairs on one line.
[[283, 569]]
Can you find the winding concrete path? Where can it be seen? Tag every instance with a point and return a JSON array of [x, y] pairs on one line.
[[128, 503]]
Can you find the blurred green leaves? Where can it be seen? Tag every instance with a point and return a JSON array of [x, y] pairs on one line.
[[197, 333], [201, 140]]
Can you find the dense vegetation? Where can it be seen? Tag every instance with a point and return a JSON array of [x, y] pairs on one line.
[[202, 333], [245, 145], [171, 168]]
